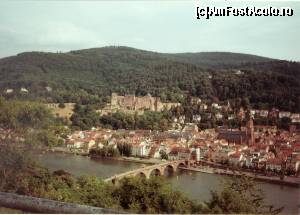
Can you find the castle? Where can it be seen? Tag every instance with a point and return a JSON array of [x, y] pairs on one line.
[[132, 103]]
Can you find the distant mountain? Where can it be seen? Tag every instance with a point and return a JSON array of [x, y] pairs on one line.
[[89, 75]]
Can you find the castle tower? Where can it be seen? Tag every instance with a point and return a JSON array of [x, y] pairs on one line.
[[114, 100], [157, 104]]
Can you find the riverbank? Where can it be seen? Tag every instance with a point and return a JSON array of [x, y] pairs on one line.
[[67, 151], [129, 159], [289, 181]]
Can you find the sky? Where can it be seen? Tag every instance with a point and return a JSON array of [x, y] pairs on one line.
[[162, 26]]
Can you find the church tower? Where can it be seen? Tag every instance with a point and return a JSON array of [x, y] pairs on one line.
[[250, 130]]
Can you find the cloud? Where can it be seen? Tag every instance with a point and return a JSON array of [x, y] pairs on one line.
[[66, 34], [162, 26]]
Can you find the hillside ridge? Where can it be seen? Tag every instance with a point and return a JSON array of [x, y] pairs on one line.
[[91, 75]]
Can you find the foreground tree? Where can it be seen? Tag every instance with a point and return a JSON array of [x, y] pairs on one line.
[[154, 195], [240, 195]]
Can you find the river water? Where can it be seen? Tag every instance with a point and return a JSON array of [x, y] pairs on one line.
[[195, 184]]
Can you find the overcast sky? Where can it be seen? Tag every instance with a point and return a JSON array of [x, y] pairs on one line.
[[169, 26]]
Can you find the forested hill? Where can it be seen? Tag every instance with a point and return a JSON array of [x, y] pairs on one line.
[[88, 76]]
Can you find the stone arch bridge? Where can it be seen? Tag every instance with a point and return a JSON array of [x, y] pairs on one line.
[[147, 171]]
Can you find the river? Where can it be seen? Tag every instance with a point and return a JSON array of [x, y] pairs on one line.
[[195, 184]]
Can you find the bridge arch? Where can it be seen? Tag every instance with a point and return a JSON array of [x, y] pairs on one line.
[[141, 174], [169, 170], [155, 172], [180, 164]]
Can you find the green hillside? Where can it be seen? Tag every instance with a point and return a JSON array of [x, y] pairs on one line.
[[89, 76]]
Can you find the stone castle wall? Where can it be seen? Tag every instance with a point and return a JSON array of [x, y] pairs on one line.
[[134, 103]]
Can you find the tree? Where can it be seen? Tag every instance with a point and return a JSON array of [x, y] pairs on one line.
[[163, 155], [84, 117], [240, 195], [125, 149], [152, 195]]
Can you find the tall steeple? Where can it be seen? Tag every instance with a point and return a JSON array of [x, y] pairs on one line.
[[250, 129]]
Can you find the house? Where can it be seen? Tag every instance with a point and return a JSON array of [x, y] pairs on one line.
[[219, 116], [179, 153], [181, 119], [141, 149], [263, 113], [173, 155], [203, 107], [196, 100], [154, 152], [8, 91], [252, 112], [241, 114], [216, 106], [100, 145], [260, 148], [48, 89], [24, 90], [74, 145], [295, 117], [190, 127], [231, 116], [184, 154], [208, 115], [235, 159], [85, 144], [247, 160], [274, 164], [265, 128], [238, 72], [196, 118], [284, 114], [273, 113], [88, 144]]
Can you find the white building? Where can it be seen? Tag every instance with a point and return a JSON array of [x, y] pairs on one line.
[[196, 118], [216, 106], [49, 89], [295, 117], [141, 150], [8, 91], [219, 116], [284, 114], [198, 155], [24, 90], [263, 113]]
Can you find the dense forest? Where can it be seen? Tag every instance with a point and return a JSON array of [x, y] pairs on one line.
[[90, 76], [31, 122]]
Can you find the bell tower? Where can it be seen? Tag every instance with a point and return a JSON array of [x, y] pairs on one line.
[[250, 130]]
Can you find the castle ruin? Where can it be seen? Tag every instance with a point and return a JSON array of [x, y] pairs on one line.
[[132, 103]]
